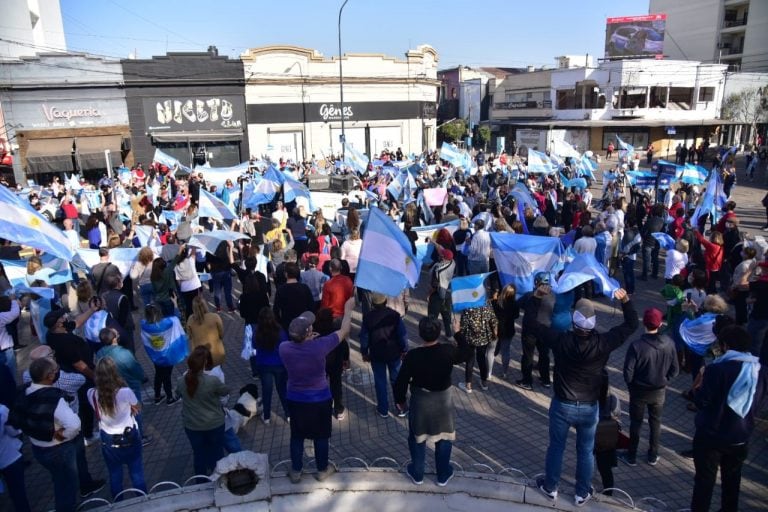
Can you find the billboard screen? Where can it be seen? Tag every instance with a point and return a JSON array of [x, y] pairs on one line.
[[635, 36]]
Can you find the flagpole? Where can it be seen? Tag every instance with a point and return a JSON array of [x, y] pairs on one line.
[[341, 88]]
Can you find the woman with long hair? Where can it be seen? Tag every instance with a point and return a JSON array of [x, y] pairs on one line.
[[164, 285], [266, 362], [93, 233], [253, 299], [350, 251], [116, 406], [507, 311], [187, 278], [206, 328], [141, 273], [202, 414], [166, 345], [713, 257]]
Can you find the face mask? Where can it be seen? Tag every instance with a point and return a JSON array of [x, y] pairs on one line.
[[70, 325]]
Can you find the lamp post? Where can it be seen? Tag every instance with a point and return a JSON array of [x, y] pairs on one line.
[[303, 109], [341, 87]]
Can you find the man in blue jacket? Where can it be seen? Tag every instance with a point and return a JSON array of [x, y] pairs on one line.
[[733, 389]]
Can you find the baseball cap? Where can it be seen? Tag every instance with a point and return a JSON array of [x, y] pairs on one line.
[[300, 325], [652, 318], [53, 316]]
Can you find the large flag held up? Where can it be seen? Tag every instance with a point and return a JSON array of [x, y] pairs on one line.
[[55, 271], [165, 341], [451, 154], [712, 200], [539, 163], [355, 159], [210, 240], [265, 190], [386, 263], [587, 264], [520, 257], [25, 226], [468, 291], [211, 206]]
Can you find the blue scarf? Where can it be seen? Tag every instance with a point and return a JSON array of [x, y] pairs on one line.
[[743, 389]]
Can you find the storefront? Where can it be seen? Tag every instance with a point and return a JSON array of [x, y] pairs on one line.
[[64, 113], [294, 112], [188, 105]]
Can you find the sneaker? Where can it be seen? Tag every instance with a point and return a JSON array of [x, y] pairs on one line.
[[524, 385], [295, 476], [580, 501], [413, 478], [384, 415], [402, 413], [340, 416], [484, 385], [159, 399], [626, 458], [232, 311], [443, 484], [173, 400], [324, 474], [146, 440], [549, 494], [688, 454], [265, 420], [89, 441], [546, 383], [653, 460], [218, 309], [92, 488], [463, 386]]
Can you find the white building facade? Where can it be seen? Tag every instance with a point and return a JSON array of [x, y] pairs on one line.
[[29, 27], [294, 109]]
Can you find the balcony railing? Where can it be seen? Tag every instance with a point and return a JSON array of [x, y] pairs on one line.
[[734, 23]]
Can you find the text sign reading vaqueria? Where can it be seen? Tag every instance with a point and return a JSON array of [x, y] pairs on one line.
[[55, 113], [197, 113]]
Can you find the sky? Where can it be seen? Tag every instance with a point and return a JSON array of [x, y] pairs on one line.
[[505, 33]]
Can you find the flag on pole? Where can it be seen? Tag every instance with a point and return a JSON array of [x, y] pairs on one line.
[[564, 149], [712, 200], [693, 174], [627, 149], [386, 263], [23, 225], [211, 206], [468, 291], [520, 257], [451, 154], [355, 159]]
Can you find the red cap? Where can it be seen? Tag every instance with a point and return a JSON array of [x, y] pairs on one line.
[[652, 318]]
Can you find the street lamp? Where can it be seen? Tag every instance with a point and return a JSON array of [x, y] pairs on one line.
[[303, 109], [341, 87]]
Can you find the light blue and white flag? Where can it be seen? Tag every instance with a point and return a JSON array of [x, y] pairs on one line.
[[386, 263], [210, 240], [585, 166], [93, 198], [697, 333], [666, 242], [265, 190], [86, 259], [563, 149], [73, 183], [692, 174], [219, 175], [539, 163], [588, 264], [165, 342], [211, 206], [570, 280], [55, 271], [424, 249], [123, 258], [37, 311], [93, 326], [293, 189], [520, 257], [124, 175], [451, 154], [165, 159], [395, 188], [468, 291], [22, 289], [628, 149], [172, 218], [146, 235], [23, 225], [712, 200], [355, 159]]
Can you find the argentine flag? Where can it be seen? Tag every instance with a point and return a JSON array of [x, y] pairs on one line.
[[712, 200], [468, 291], [386, 264], [539, 163], [210, 240], [265, 190], [692, 174], [665, 241], [697, 333], [293, 189], [165, 341], [520, 257], [355, 159], [451, 154], [25, 226], [588, 264], [55, 271], [563, 149], [213, 207], [123, 258], [146, 235], [629, 149], [93, 326]]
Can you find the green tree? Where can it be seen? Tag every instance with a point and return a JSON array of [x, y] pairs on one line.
[[484, 135], [747, 107], [454, 130]]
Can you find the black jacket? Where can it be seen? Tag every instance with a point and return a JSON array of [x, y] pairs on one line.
[[650, 363], [579, 360], [653, 225]]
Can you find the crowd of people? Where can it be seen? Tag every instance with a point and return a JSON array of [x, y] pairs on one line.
[[297, 269]]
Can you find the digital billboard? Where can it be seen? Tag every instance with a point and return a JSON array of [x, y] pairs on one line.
[[635, 36]]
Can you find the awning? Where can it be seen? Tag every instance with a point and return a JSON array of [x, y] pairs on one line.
[[204, 136], [90, 151], [49, 155]]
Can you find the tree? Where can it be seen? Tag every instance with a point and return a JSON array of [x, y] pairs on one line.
[[454, 130], [748, 107], [484, 135]]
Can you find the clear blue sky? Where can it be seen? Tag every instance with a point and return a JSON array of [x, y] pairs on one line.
[[475, 33]]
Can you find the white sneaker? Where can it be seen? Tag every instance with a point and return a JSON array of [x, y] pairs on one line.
[[264, 420], [89, 441], [463, 386]]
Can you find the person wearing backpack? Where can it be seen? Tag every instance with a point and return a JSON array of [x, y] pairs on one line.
[[383, 344]]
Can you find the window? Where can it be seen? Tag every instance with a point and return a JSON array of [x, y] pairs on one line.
[[707, 94], [680, 98], [566, 99]]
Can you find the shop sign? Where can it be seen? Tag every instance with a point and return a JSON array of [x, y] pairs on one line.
[[56, 113], [194, 113], [330, 112]]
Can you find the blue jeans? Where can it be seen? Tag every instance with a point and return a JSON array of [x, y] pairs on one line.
[[147, 293], [461, 263], [650, 262], [418, 457], [13, 474], [321, 453], [562, 416], [628, 269], [8, 358], [380, 381], [207, 448], [505, 349], [758, 329], [231, 441], [478, 266], [60, 461], [271, 376], [115, 458], [223, 280]]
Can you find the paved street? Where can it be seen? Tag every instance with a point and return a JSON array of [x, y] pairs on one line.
[[499, 428]]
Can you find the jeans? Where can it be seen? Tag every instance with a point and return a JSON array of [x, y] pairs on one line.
[[758, 329], [443, 308], [380, 369], [207, 448], [505, 349], [562, 416], [639, 400], [418, 457], [650, 261], [13, 474], [84, 409], [60, 461], [8, 357], [147, 292], [231, 441], [223, 280], [478, 266], [707, 456], [628, 269], [271, 376], [482, 364], [334, 367], [321, 453], [462, 263], [163, 381], [531, 343], [187, 298], [115, 458]]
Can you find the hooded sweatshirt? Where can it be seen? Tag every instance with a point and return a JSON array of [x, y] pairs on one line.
[[650, 363]]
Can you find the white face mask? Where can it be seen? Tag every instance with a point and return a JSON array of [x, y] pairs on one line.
[[583, 322]]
